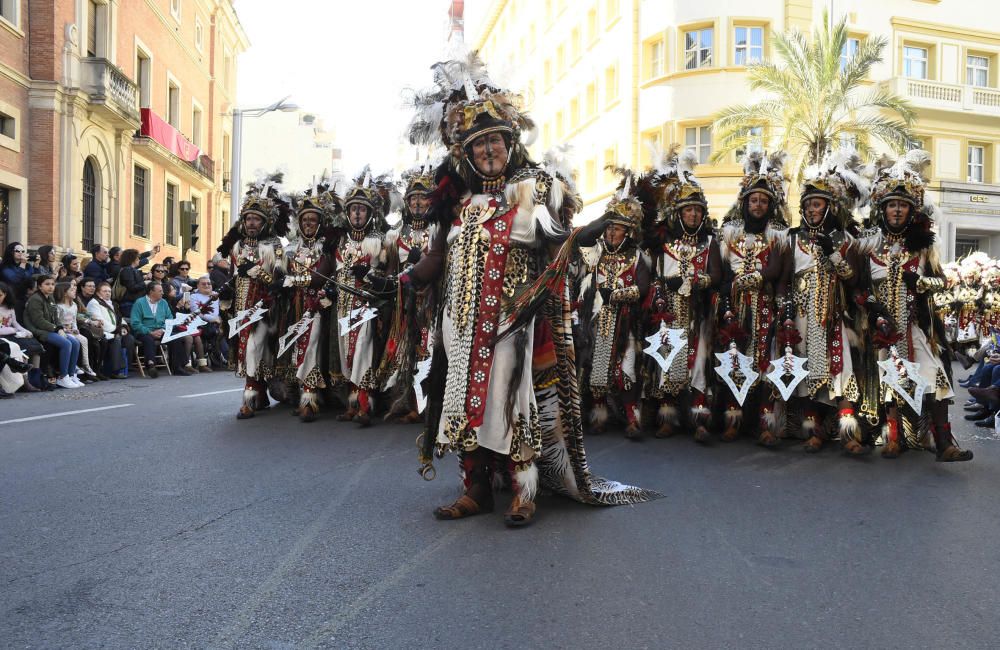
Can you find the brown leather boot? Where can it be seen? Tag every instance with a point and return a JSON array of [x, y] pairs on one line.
[[665, 431], [952, 454], [633, 432], [731, 433], [855, 448], [701, 435], [813, 444], [520, 513], [767, 439], [891, 449]]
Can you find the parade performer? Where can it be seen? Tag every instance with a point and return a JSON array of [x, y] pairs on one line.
[[254, 251], [611, 295], [989, 321], [968, 298], [496, 209], [754, 236], [816, 292], [905, 272], [307, 268], [410, 342], [359, 252], [687, 272]]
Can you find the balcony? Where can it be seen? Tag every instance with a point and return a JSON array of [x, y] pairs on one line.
[[114, 94], [924, 93], [170, 146], [226, 181]]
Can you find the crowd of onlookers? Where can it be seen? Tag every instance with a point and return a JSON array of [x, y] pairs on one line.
[[66, 321]]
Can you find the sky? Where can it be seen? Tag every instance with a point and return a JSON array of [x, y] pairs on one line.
[[346, 61]]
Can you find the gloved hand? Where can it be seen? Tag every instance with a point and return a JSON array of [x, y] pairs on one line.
[[673, 283], [877, 311], [226, 292], [911, 278], [330, 288], [825, 242], [360, 270], [380, 284], [244, 268], [414, 256], [605, 294]]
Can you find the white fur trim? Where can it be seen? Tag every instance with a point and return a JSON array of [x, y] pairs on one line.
[[352, 400], [700, 413], [667, 413], [250, 397], [309, 399], [809, 425], [769, 420], [849, 427], [599, 415], [734, 417], [526, 481]]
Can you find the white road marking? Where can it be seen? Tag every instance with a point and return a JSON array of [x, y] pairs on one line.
[[58, 415], [214, 392]]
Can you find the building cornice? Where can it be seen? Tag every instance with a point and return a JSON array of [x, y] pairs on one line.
[[946, 31], [14, 75]]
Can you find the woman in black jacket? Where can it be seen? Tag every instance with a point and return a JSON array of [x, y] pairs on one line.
[[130, 277]]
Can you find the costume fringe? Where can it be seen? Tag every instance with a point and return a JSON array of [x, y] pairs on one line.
[[667, 413], [309, 399], [526, 482], [734, 417], [700, 414], [599, 415], [250, 397], [849, 427]]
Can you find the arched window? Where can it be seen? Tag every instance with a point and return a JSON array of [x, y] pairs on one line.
[[89, 204]]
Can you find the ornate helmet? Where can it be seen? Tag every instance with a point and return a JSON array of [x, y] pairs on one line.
[[839, 179], [463, 104], [364, 192], [679, 186], [419, 180], [321, 200], [556, 163], [951, 275], [265, 199], [624, 208], [902, 180], [762, 173]]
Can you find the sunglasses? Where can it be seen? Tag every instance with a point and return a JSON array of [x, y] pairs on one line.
[[184, 268], [159, 270], [19, 250]]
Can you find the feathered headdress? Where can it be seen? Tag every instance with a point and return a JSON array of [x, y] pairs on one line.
[[839, 178], [419, 179], [624, 208], [266, 199], [556, 162], [680, 187], [762, 173], [904, 180], [321, 199]]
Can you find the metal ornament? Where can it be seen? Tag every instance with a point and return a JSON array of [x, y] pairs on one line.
[[423, 370], [246, 318], [895, 370], [675, 338], [733, 360], [785, 366], [356, 318], [295, 331], [191, 323]]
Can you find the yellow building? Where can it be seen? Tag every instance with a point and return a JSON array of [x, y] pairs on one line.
[[608, 76]]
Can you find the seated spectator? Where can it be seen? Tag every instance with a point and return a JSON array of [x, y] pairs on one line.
[[180, 277], [118, 340], [131, 284], [180, 364], [73, 321], [85, 289], [220, 272], [41, 318], [159, 274], [16, 271], [47, 264], [97, 268], [70, 269], [205, 302], [22, 345], [148, 320]]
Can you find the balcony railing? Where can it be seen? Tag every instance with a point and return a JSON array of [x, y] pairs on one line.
[[110, 87], [954, 97], [204, 166]]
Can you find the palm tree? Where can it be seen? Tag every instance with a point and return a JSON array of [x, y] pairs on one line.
[[815, 101]]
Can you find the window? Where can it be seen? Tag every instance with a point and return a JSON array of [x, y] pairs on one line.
[[965, 246], [89, 204], [175, 9], [91, 28], [699, 140], [591, 106], [196, 126], [170, 214], [548, 73], [977, 160], [914, 143], [140, 199], [547, 135], [574, 113], [227, 65], [590, 175], [610, 161], [173, 105], [142, 77], [560, 60], [575, 47], [977, 70], [613, 10], [698, 48], [195, 219], [755, 142], [8, 11], [199, 34], [531, 38], [749, 45], [560, 126], [848, 51], [915, 62], [592, 25], [657, 58], [610, 84], [7, 125]]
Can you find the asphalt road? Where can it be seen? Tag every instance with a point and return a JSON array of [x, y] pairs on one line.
[[165, 523]]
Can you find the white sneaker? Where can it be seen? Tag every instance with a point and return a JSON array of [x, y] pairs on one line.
[[76, 380], [66, 382]]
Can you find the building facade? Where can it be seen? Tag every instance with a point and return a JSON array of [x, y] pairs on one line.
[[295, 142], [118, 122], [609, 76]]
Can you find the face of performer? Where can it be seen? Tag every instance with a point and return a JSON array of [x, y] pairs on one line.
[[896, 213], [815, 210], [253, 223], [357, 214], [309, 223], [489, 154], [757, 204], [691, 216], [418, 204], [614, 234]]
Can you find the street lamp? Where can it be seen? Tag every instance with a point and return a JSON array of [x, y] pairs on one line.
[[234, 181]]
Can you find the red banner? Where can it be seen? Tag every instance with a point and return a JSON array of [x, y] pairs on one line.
[[154, 127]]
